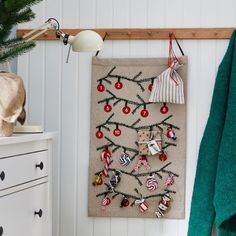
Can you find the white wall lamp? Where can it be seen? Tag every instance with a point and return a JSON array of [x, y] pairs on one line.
[[85, 41]]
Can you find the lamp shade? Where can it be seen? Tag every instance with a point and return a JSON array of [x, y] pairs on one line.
[[85, 41]]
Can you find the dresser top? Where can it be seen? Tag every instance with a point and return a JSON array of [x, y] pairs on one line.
[[22, 138]]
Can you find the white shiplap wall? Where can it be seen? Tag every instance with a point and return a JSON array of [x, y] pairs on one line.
[[59, 96]]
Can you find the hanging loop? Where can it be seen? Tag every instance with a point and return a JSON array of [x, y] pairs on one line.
[[106, 34]]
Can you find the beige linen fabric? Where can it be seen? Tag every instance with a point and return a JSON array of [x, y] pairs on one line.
[[12, 99], [139, 69]]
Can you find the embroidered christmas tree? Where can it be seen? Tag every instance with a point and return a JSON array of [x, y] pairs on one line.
[[113, 149]]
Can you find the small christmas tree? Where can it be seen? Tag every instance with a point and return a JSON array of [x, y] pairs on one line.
[[13, 12]]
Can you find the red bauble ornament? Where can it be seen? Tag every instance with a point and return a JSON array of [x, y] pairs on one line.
[[126, 109], [124, 202], [117, 132], [150, 87], [164, 109], [162, 157], [99, 134], [118, 85], [144, 113], [100, 88], [107, 108]]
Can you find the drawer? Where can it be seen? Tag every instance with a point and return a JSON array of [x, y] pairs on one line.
[[20, 212], [23, 168], [22, 148]]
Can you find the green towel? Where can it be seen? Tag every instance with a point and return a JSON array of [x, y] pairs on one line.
[[214, 194]]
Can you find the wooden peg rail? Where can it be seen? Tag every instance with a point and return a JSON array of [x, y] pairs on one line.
[[145, 34]]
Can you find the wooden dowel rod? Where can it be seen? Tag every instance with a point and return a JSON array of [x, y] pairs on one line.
[[145, 34]]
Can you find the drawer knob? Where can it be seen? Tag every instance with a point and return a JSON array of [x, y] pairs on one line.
[[1, 230], [40, 165], [39, 213], [2, 177]]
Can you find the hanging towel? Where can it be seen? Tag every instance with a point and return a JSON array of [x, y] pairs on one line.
[[214, 194], [168, 86]]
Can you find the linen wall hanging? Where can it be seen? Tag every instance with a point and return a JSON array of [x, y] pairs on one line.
[[137, 148]]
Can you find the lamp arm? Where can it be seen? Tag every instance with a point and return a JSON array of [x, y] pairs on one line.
[[51, 23]]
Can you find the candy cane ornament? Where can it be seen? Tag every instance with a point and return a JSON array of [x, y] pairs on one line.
[[143, 161], [169, 181], [106, 155]]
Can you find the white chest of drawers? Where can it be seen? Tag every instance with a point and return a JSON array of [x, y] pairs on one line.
[[25, 179]]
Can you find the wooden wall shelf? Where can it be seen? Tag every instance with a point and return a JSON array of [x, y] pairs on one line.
[[145, 34]]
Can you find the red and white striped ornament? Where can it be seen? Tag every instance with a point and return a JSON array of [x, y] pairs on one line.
[[143, 161], [106, 201], [151, 183], [142, 205], [106, 155], [163, 205], [169, 181]]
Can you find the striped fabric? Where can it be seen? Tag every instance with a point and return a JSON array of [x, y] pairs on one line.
[[168, 86]]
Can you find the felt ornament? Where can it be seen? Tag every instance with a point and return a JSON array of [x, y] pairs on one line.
[[106, 201], [98, 180], [163, 156], [164, 109], [170, 134], [106, 156], [125, 202], [99, 134], [169, 180], [142, 205], [143, 161], [151, 183], [124, 159], [100, 87], [115, 179], [163, 205], [149, 142]]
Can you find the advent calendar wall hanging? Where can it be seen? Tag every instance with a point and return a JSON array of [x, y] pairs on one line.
[[137, 146]]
